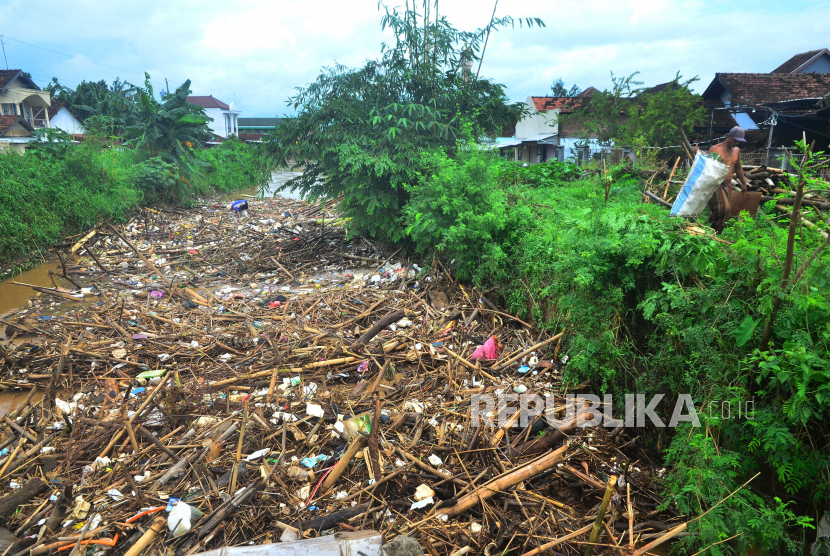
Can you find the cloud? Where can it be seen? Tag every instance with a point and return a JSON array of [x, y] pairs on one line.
[[257, 52]]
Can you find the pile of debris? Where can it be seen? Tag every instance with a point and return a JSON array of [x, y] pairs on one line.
[[213, 381]]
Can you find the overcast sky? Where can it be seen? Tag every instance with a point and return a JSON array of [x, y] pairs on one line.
[[256, 52]]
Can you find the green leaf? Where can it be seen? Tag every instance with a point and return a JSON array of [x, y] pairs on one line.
[[744, 331], [192, 119]]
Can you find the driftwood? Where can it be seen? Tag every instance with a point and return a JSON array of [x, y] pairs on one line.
[[367, 336], [11, 502]]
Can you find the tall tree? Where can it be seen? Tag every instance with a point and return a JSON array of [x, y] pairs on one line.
[[167, 129], [558, 89], [360, 132], [627, 114]]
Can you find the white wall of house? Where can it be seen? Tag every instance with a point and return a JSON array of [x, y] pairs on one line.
[[67, 122], [225, 122], [819, 65], [537, 122], [218, 125]]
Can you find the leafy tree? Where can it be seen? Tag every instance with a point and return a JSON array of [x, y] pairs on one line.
[[656, 116], [629, 115], [558, 89], [96, 98], [605, 114], [167, 129], [359, 133]]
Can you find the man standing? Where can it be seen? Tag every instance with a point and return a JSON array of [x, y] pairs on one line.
[[730, 155]]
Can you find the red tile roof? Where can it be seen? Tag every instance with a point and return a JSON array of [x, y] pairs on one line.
[[543, 104], [797, 61], [760, 88], [7, 76], [56, 107], [6, 123], [208, 102]]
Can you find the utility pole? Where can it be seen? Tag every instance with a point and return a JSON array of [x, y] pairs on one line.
[[4, 51], [167, 85]]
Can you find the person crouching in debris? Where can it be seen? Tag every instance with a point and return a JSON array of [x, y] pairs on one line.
[[730, 155], [240, 207]]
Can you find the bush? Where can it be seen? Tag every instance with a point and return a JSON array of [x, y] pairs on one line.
[[44, 198], [654, 308], [58, 188]]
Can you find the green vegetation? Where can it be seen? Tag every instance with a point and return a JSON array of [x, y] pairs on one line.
[[630, 115], [360, 132], [653, 307], [138, 151], [60, 188]]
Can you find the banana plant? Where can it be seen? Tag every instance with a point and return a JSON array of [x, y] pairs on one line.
[[168, 129]]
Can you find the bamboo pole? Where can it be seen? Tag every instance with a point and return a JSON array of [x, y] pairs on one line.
[[547, 546], [337, 470], [501, 484], [148, 537], [609, 489]]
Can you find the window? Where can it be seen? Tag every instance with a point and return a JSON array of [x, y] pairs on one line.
[[28, 111], [9, 109], [541, 152], [519, 153]]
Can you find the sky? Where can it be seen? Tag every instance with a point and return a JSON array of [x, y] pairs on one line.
[[256, 52]]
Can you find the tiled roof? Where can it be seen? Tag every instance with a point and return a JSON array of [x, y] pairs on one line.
[[56, 107], [543, 104], [6, 123], [250, 136], [760, 88], [6, 76], [797, 61], [208, 102], [258, 122]]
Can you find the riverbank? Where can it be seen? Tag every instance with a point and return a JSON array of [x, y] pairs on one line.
[[53, 192]]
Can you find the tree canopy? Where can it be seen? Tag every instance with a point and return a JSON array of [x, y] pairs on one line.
[[558, 89], [629, 114], [360, 132]]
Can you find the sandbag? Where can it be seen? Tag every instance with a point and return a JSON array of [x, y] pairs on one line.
[[704, 178]]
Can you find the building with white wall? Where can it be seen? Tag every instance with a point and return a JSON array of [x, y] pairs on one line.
[[61, 117], [225, 117]]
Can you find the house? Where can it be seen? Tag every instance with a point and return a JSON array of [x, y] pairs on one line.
[[814, 61], [23, 108], [15, 133], [225, 117], [539, 136], [61, 117], [775, 108]]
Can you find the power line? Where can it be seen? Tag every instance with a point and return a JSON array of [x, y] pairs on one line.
[[69, 56], [4, 51]]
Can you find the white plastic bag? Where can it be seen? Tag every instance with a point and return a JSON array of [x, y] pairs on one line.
[[705, 177], [181, 518]]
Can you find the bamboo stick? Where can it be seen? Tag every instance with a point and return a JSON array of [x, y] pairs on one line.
[[592, 538]]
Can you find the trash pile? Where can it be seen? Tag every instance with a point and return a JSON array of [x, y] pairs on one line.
[[210, 381]]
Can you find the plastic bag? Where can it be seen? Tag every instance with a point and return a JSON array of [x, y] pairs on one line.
[[490, 350], [704, 178], [182, 518]]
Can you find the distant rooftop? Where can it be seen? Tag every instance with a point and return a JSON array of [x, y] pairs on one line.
[[207, 101]]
